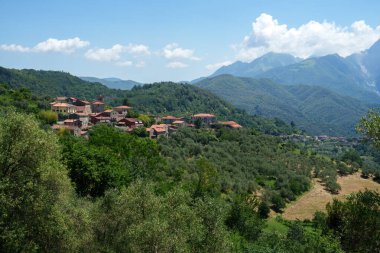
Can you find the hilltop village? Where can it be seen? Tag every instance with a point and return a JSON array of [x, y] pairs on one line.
[[78, 116]]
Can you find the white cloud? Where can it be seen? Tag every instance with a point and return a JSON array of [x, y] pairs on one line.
[[66, 46], [106, 54], [49, 45], [138, 49], [218, 65], [114, 53], [14, 48], [173, 51], [176, 65], [124, 63], [310, 39]]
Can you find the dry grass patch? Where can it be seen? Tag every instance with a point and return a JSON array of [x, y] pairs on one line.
[[317, 198]]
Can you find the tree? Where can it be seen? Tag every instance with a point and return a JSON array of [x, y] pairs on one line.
[[48, 117], [208, 180], [369, 126], [244, 218], [35, 193], [356, 221], [137, 219]]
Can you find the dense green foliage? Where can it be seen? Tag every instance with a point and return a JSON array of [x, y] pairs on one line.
[[245, 163], [55, 83], [21, 99], [154, 207], [314, 109], [37, 209], [109, 159], [355, 221], [184, 100]]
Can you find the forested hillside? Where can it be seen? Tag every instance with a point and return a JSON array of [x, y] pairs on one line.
[[314, 109], [54, 83], [185, 100], [154, 99]]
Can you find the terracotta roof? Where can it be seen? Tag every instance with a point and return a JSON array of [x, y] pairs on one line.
[[97, 103], [232, 124], [169, 117], [178, 122], [123, 107], [204, 115], [159, 128], [62, 105], [109, 110]]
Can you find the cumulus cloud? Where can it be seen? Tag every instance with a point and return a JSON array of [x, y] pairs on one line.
[[310, 39], [66, 46], [138, 49], [176, 65], [115, 52], [218, 65], [14, 48], [49, 45], [106, 54], [173, 51]]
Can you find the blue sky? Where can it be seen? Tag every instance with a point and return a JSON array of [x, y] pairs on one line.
[[150, 41]]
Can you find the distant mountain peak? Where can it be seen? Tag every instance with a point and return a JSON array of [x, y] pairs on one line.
[[113, 82], [264, 63]]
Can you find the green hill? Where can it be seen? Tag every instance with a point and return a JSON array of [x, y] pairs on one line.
[[158, 98], [314, 109], [54, 83], [185, 100]]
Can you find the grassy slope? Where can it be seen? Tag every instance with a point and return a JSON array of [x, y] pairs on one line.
[[317, 198]]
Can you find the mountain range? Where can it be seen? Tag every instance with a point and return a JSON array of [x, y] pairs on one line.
[[312, 108], [112, 82], [356, 75]]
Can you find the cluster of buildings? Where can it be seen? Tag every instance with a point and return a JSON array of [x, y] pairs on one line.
[[78, 116]]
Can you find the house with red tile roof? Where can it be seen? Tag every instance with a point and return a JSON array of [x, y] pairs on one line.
[[230, 124], [63, 108], [179, 123], [130, 122], [205, 118], [97, 106], [156, 131], [169, 119]]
